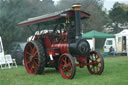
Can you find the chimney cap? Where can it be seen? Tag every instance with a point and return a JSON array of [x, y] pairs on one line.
[[76, 6]]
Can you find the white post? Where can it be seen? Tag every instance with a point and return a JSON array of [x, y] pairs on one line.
[[127, 45], [93, 39]]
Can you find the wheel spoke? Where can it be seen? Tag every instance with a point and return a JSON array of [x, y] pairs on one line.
[[35, 53], [97, 58], [30, 65], [28, 53], [65, 60], [32, 70], [34, 49], [65, 69], [69, 71], [28, 62], [90, 63], [35, 65], [35, 58], [30, 47]]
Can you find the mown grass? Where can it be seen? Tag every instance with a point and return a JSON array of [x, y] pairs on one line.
[[115, 73]]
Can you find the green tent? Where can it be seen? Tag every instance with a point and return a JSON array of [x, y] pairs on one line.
[[96, 34]]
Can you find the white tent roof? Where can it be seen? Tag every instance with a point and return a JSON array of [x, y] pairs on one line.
[[123, 33]]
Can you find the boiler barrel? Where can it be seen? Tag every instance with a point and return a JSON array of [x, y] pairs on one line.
[[79, 48]]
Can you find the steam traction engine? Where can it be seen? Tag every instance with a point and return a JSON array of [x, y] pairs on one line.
[[62, 46]]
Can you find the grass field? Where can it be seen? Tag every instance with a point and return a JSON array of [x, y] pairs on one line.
[[115, 73]]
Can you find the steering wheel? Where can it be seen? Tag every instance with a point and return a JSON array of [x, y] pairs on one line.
[[58, 29]]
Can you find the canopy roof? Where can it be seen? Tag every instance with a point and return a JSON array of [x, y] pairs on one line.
[[96, 34], [54, 18]]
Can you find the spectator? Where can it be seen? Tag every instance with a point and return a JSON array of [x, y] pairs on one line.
[[112, 51]]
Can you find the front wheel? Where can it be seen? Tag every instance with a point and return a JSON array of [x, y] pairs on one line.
[[67, 66], [95, 63]]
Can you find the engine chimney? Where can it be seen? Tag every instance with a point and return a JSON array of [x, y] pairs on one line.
[[76, 8]]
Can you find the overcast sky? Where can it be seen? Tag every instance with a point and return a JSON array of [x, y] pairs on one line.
[[108, 4]]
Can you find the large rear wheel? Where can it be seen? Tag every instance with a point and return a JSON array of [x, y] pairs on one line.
[[95, 63], [67, 66], [34, 57]]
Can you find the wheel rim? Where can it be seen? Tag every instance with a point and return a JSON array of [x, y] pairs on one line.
[[96, 63], [67, 67], [31, 58]]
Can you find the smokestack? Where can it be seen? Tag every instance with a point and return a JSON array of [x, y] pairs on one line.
[[76, 8]]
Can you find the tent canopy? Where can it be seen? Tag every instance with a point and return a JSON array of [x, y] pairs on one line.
[[96, 34]]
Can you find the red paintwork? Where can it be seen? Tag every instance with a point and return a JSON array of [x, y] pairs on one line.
[[82, 61], [47, 42], [64, 35], [40, 20], [56, 47], [53, 52], [62, 46]]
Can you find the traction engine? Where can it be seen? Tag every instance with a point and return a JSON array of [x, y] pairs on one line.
[[63, 48]]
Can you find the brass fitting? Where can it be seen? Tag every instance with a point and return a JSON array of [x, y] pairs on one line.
[[76, 6]]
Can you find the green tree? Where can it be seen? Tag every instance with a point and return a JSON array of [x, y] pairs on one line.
[[118, 16], [14, 11]]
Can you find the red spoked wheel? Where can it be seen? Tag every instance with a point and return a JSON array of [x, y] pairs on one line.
[[34, 57], [95, 63], [67, 66]]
